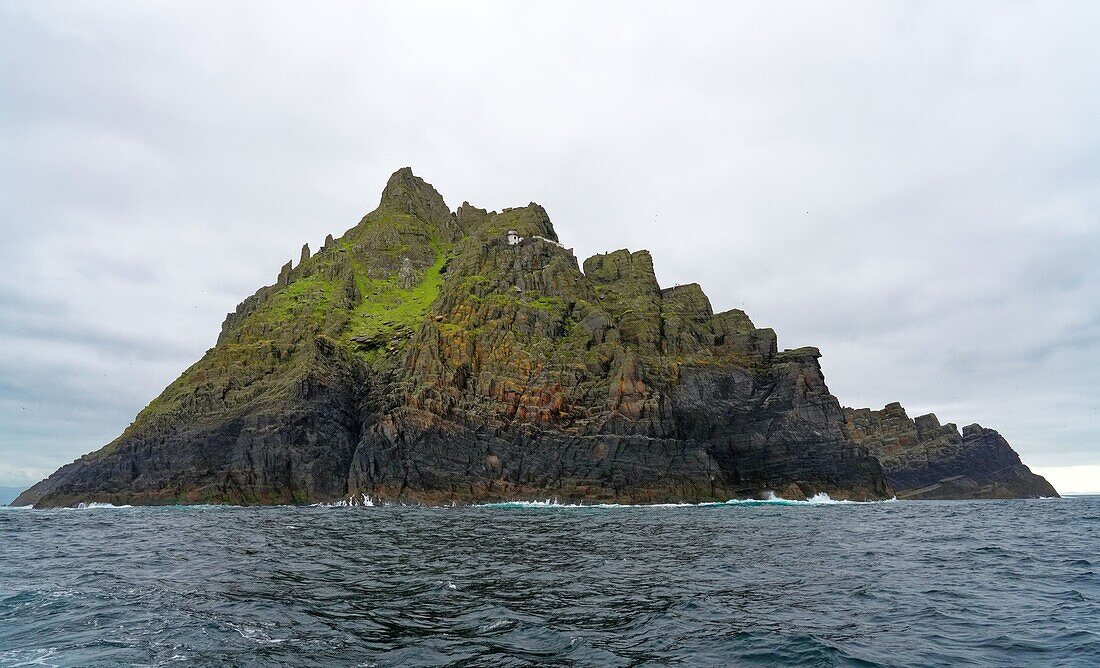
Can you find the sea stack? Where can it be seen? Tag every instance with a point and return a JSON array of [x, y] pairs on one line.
[[433, 356]]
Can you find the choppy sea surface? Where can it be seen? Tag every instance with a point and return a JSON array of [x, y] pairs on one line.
[[985, 583]]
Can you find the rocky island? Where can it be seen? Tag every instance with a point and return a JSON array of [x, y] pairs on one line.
[[437, 356]]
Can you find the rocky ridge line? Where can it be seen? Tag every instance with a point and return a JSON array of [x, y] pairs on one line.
[[451, 357], [926, 460]]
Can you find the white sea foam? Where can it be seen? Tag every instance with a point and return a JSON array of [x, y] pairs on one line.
[[365, 500], [32, 657], [360, 500], [94, 505], [770, 498]]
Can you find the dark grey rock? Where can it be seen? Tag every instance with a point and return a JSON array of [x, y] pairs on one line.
[[924, 460]]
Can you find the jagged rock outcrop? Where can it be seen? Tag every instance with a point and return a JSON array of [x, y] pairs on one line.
[[926, 460], [421, 357]]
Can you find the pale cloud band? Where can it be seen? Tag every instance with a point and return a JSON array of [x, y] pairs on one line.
[[1069, 480]]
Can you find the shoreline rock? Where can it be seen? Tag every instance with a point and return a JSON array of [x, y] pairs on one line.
[[423, 358]]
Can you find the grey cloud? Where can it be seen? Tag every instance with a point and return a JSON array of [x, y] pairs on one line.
[[909, 186]]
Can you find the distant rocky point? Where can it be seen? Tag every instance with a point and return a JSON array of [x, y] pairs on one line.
[[432, 356], [926, 460], [8, 494]]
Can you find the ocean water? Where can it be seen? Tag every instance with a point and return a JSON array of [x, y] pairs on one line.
[[986, 583]]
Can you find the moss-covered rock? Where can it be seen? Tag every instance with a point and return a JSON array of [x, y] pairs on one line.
[[422, 356]]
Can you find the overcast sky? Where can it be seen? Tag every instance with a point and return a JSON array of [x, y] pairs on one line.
[[912, 187]]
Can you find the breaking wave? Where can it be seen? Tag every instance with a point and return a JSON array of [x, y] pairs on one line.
[[94, 505], [356, 501], [367, 501], [770, 499]]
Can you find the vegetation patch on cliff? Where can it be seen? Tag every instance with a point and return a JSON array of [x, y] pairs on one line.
[[388, 313]]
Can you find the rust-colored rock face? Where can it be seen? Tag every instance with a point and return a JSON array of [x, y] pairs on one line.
[[430, 356]]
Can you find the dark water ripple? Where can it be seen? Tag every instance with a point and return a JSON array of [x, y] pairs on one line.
[[1005, 583]]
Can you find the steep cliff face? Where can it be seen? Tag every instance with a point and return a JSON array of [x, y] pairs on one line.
[[926, 460], [530, 377], [424, 356]]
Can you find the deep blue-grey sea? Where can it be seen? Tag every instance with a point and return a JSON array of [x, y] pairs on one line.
[[983, 583]]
